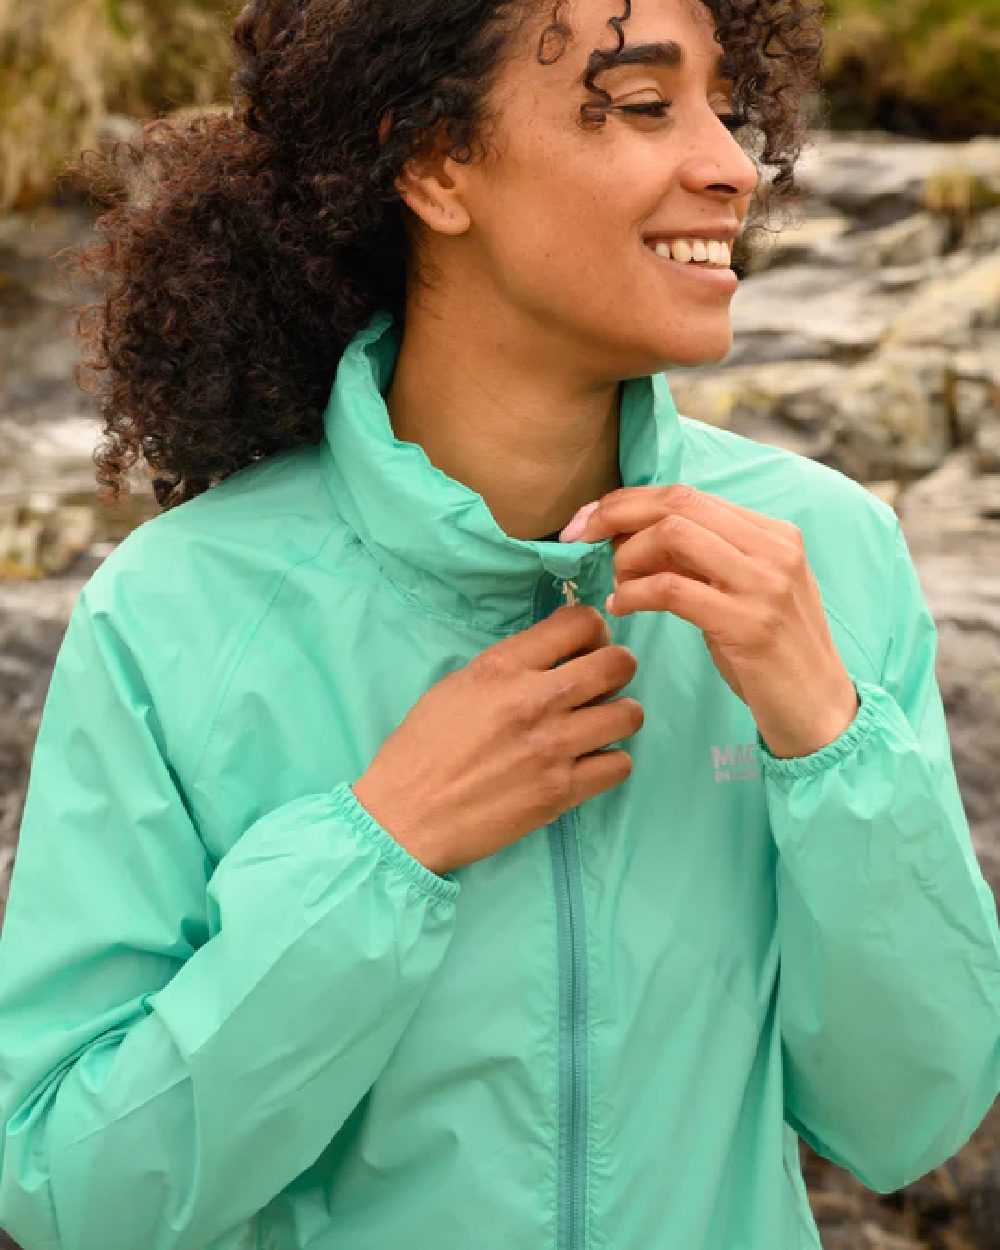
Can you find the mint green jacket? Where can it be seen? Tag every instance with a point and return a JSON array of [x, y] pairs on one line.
[[234, 1011]]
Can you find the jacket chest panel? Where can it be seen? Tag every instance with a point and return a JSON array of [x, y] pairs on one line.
[[685, 841], [468, 1103], [314, 699], [684, 837]]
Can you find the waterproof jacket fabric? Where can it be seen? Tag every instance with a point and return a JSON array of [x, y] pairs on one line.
[[235, 1012]]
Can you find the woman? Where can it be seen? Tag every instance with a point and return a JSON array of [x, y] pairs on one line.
[[337, 918]]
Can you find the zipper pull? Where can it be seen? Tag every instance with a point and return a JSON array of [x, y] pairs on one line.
[[569, 591]]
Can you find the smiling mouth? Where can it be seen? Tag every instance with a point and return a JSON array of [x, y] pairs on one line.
[[700, 253], [710, 275]]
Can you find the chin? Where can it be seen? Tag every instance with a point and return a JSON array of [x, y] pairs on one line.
[[636, 352], [705, 349]]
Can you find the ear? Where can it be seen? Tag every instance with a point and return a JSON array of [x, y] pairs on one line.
[[431, 184]]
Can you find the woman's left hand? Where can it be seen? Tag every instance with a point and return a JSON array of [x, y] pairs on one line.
[[744, 580]]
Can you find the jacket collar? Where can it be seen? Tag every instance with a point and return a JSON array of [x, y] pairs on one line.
[[433, 536]]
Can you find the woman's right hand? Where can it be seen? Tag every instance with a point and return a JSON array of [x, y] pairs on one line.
[[507, 743]]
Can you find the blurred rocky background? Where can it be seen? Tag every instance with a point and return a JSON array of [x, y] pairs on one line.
[[866, 335]]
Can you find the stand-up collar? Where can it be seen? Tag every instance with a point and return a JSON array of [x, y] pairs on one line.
[[434, 536]]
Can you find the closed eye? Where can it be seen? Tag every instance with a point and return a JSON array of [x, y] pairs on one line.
[[658, 108]]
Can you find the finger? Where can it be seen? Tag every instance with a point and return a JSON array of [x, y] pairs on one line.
[[775, 525], [626, 512], [569, 630], [684, 541], [710, 610], [677, 491]]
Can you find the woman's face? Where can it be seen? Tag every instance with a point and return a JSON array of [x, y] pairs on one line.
[[558, 217]]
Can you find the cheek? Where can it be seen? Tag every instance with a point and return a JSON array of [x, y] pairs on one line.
[[561, 221]]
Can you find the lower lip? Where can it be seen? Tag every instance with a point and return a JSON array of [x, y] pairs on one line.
[[717, 277]]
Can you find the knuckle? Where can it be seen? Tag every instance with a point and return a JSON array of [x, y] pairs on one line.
[[555, 692], [489, 666], [679, 495], [545, 747], [555, 783], [770, 623], [792, 558], [793, 533], [785, 585], [779, 583], [523, 708], [673, 522]]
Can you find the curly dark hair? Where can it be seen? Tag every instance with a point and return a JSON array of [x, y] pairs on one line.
[[266, 235]]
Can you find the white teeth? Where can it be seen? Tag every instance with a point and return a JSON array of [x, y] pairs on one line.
[[702, 251]]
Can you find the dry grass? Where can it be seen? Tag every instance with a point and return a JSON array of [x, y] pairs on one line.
[[923, 66], [926, 67], [66, 64]]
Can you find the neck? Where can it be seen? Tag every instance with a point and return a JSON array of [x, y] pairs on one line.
[[513, 422]]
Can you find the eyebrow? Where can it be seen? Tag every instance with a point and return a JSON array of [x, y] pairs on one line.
[[668, 53]]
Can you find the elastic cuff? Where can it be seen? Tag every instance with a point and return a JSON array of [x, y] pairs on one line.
[[791, 768], [346, 803]]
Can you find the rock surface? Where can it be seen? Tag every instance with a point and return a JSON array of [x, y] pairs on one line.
[[867, 337]]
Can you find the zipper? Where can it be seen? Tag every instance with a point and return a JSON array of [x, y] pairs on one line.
[[572, 1036], [569, 590], [564, 852]]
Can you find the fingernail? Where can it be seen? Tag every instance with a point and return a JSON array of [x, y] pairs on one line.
[[608, 602], [579, 522]]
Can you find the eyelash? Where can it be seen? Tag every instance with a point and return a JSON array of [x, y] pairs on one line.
[[733, 121]]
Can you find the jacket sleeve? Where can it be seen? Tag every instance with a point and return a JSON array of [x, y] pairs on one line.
[[889, 983], [177, 1044]]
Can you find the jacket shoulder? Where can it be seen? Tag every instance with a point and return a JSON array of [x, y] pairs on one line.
[[183, 592], [786, 480]]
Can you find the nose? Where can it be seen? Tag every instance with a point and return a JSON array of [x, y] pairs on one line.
[[717, 164]]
